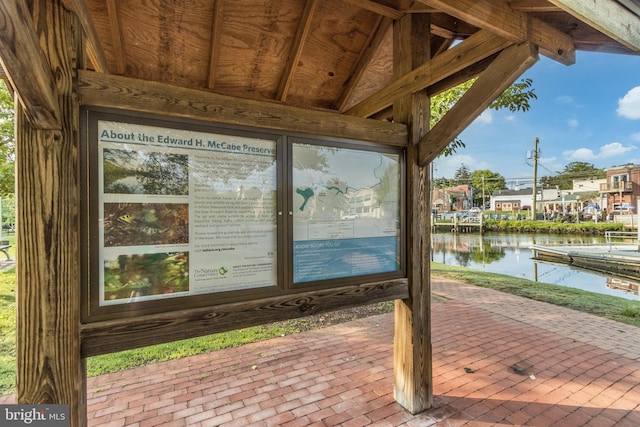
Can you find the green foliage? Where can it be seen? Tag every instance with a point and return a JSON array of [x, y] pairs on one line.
[[530, 226], [574, 170], [462, 175], [7, 143], [488, 181], [516, 98]]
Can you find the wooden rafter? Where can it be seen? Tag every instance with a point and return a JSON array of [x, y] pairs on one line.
[[296, 49], [609, 17], [462, 76], [378, 8], [118, 46], [497, 17], [216, 35], [26, 66], [506, 68], [533, 6], [474, 49], [94, 47], [440, 44], [365, 58]]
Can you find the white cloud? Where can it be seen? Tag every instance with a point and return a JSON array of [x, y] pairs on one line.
[[581, 154], [629, 105], [635, 136], [485, 118], [614, 149], [564, 99], [573, 123], [607, 150], [445, 167]]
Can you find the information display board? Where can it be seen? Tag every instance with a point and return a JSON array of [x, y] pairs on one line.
[[346, 212], [182, 213]]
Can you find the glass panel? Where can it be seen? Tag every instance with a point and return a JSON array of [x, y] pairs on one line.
[[183, 213], [346, 212]]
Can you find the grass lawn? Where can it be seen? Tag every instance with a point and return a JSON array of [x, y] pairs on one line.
[[601, 305], [615, 308]]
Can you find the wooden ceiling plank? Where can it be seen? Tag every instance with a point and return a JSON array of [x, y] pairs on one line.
[[507, 67], [216, 36], [361, 64], [26, 66], [94, 47], [296, 49], [118, 46], [608, 17], [145, 96], [474, 49], [497, 17]]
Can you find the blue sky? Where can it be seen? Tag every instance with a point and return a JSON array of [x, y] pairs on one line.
[[586, 112]]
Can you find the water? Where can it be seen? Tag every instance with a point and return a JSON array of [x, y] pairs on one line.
[[510, 254]]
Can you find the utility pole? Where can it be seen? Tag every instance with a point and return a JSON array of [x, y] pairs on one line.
[[483, 192], [535, 179]]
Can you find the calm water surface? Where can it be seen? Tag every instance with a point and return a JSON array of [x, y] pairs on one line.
[[510, 254]]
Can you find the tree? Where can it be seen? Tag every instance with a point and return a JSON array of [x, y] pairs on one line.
[[7, 155], [488, 181], [462, 175], [574, 170], [516, 98], [7, 143]]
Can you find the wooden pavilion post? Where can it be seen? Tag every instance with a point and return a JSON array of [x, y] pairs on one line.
[[412, 343], [49, 367]]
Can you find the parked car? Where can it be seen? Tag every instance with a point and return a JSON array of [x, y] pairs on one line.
[[350, 216]]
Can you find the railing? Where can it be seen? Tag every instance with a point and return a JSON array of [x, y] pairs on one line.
[[617, 186], [622, 238]]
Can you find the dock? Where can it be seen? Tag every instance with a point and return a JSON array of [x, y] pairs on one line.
[[620, 259], [466, 224]]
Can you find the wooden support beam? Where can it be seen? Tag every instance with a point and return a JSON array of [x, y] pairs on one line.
[[412, 355], [378, 8], [609, 17], [296, 49], [497, 17], [26, 66], [507, 67], [216, 35], [108, 90], [116, 335], [94, 47], [474, 49], [533, 6], [116, 37], [48, 363]]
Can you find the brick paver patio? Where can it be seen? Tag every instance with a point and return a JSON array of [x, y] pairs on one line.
[[498, 360]]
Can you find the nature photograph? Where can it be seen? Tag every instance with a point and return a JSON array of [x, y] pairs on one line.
[[134, 276], [141, 172], [138, 224]]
